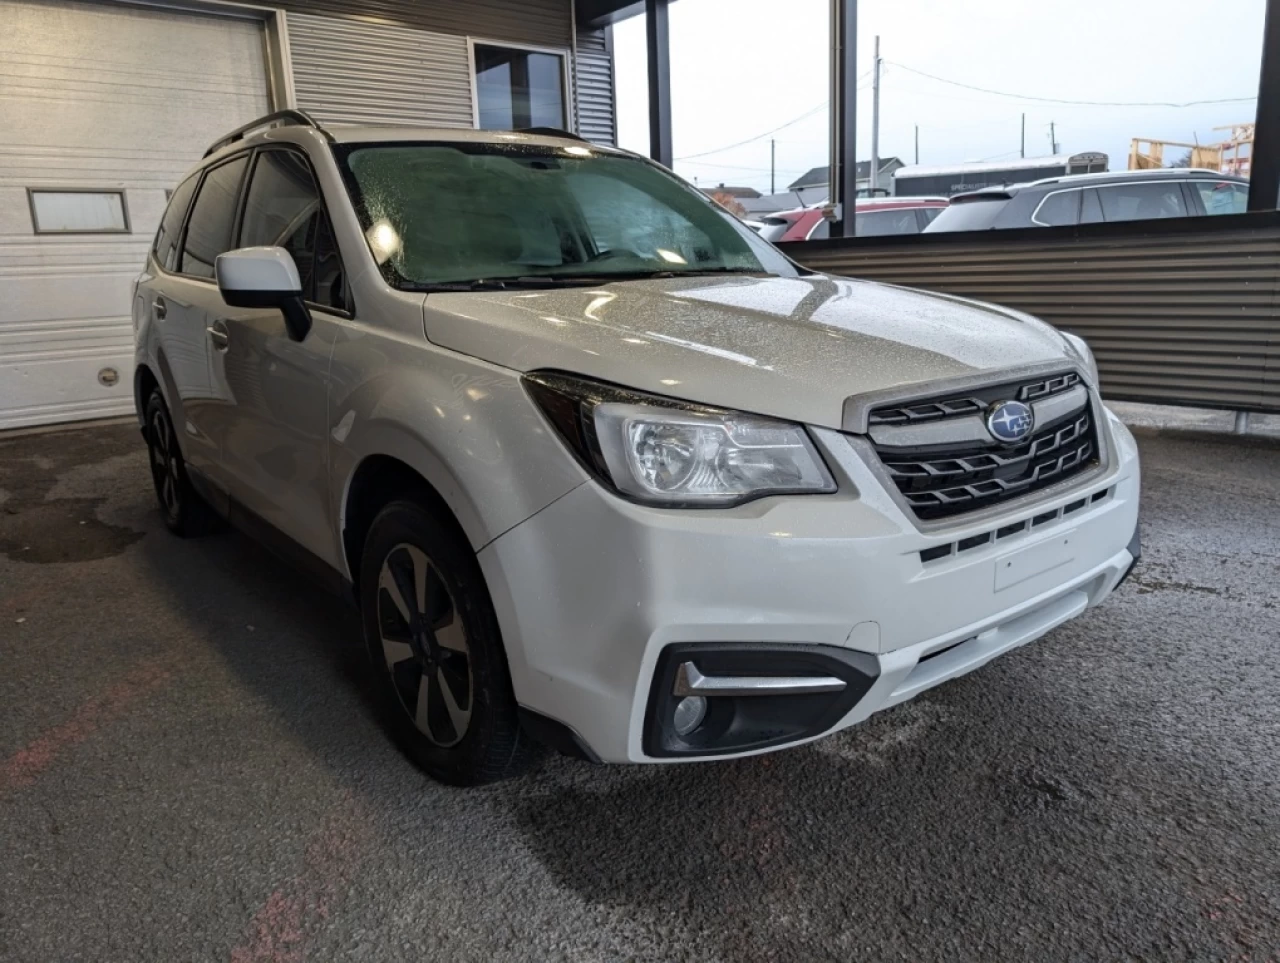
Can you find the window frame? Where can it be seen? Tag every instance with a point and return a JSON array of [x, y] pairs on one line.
[[1184, 189], [567, 66], [121, 192], [236, 236], [191, 206], [1078, 191]]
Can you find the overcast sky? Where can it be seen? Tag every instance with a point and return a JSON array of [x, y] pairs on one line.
[[742, 67]]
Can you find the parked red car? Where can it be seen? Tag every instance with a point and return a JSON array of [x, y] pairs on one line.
[[877, 217]]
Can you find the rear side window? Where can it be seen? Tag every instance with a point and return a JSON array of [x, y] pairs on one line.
[[213, 218], [1058, 209], [283, 209], [1223, 197], [166, 246], [1142, 202], [968, 216], [927, 214], [886, 223]]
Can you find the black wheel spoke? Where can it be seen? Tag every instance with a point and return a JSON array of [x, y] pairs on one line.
[[424, 645]]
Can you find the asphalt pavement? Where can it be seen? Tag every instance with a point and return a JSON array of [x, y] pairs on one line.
[[191, 769]]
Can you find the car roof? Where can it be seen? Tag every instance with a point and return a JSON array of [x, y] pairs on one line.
[[361, 134], [1004, 193]]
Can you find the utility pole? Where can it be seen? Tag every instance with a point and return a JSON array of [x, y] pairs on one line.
[[773, 165], [875, 121], [1024, 135], [844, 115], [917, 143], [1053, 136]]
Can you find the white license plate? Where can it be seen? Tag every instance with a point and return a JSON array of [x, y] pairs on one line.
[[1025, 563]]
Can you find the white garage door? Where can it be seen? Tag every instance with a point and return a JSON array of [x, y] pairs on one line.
[[102, 108]]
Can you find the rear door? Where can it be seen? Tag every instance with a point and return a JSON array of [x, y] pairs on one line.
[[270, 416], [181, 301]]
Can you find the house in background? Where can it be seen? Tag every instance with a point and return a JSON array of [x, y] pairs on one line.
[[817, 179]]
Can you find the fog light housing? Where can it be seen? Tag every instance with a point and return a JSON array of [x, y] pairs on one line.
[[721, 698], [688, 715]]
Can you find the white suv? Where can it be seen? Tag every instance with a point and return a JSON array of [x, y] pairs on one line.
[[599, 465]]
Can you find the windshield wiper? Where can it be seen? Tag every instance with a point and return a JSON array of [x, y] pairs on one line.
[[501, 284]]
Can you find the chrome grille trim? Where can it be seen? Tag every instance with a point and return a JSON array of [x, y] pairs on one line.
[[972, 403]]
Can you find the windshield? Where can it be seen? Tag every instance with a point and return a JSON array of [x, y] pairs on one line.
[[464, 213], [979, 215]]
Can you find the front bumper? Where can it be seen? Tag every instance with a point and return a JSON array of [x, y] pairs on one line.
[[592, 590]]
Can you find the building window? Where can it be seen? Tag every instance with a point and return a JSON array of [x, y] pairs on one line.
[[78, 212], [518, 88]]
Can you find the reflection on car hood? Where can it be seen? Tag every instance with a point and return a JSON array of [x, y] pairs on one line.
[[792, 348]]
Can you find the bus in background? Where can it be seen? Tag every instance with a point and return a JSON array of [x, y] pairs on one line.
[[927, 180]]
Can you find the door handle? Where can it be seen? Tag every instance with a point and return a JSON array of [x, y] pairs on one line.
[[218, 335], [160, 308]]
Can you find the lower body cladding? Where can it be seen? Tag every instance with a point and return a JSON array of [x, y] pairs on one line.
[[658, 635]]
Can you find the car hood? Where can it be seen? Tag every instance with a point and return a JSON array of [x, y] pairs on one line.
[[791, 348]]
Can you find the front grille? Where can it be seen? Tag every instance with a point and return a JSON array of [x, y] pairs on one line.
[[972, 402], [939, 481]]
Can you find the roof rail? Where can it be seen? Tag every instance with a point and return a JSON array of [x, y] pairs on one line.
[[281, 118], [551, 132]]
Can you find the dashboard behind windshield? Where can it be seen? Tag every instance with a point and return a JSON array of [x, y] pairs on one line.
[[440, 213]]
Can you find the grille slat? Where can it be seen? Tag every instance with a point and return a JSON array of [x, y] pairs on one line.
[[939, 482], [971, 403]]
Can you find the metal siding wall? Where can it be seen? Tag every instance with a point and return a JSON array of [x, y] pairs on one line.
[[85, 102], [595, 87], [538, 22], [1178, 318], [350, 71]]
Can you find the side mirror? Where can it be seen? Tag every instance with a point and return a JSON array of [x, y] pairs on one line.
[[264, 277]]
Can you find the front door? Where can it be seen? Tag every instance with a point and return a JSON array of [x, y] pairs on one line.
[[271, 392]]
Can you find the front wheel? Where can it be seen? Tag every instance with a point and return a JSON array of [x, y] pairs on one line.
[[433, 638]]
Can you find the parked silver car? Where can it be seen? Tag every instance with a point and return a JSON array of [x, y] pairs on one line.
[[599, 465]]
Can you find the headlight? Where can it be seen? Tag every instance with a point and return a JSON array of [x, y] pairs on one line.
[[662, 452], [1085, 354]]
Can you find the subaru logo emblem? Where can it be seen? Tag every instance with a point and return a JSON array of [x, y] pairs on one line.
[[1010, 421]]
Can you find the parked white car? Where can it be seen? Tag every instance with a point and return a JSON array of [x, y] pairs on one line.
[[600, 466]]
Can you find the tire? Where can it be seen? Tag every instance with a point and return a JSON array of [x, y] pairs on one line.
[[441, 680], [184, 512]]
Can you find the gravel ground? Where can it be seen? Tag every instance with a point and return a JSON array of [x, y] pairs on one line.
[[190, 769]]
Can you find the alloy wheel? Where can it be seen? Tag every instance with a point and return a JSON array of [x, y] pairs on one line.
[[164, 463], [425, 645]]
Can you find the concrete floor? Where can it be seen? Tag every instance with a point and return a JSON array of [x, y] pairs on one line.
[[190, 770]]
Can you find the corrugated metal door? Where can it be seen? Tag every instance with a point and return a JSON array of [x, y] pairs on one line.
[[96, 98], [350, 71], [595, 86]]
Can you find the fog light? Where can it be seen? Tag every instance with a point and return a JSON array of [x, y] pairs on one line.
[[689, 713]]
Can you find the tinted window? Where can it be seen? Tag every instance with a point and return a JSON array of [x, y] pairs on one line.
[[166, 246], [283, 209], [213, 218], [1142, 202], [821, 231], [1090, 207], [884, 223], [968, 216], [927, 214], [1223, 197], [518, 88], [1058, 208]]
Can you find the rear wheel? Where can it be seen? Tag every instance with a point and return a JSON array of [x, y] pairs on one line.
[[184, 511], [437, 655]]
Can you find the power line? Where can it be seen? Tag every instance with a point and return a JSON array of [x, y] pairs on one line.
[[795, 120], [1078, 103]]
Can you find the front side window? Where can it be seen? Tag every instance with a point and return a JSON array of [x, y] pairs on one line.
[[1223, 197], [1142, 202], [459, 212], [518, 88], [166, 246], [283, 209], [213, 218]]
